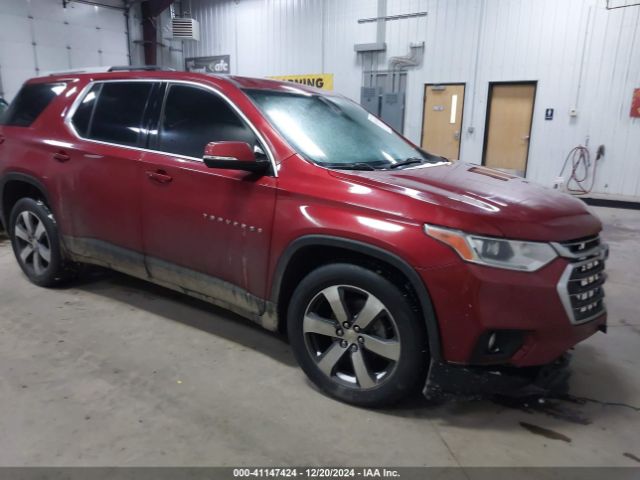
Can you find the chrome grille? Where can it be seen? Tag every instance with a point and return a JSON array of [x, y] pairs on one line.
[[580, 248], [581, 285]]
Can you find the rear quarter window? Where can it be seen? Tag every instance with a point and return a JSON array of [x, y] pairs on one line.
[[30, 102], [82, 117], [112, 112]]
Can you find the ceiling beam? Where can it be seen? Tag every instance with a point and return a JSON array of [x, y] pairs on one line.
[[156, 7], [150, 10]]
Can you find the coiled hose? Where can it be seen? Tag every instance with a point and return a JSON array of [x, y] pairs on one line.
[[581, 169]]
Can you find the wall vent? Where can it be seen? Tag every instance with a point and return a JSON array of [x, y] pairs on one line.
[[185, 29]]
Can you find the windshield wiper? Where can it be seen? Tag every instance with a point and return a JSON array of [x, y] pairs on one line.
[[350, 166], [408, 161]]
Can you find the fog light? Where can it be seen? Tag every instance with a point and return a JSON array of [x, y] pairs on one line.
[[491, 344], [497, 346]]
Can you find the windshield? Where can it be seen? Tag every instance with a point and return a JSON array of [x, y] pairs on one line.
[[336, 132]]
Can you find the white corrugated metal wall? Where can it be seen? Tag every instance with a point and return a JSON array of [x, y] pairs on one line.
[[582, 55], [39, 36]]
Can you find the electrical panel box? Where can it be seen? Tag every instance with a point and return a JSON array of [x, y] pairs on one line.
[[370, 100], [392, 111], [388, 106], [384, 96]]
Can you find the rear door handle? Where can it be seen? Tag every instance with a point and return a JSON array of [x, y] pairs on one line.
[[61, 156], [1, 139], [159, 176]]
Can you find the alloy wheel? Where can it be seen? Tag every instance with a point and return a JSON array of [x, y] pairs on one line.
[[34, 247], [352, 336]]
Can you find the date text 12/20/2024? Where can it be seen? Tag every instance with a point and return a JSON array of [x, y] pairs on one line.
[[315, 473]]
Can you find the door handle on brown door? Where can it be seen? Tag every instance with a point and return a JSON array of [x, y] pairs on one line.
[[159, 176], [61, 156]]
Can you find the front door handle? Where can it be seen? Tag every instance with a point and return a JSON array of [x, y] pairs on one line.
[[159, 176], [1, 139], [61, 156]]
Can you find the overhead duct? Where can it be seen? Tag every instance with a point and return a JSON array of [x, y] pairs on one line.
[[416, 50]]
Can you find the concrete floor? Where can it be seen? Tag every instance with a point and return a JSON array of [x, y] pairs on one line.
[[114, 371]]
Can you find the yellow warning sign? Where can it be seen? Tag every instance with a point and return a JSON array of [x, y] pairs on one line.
[[323, 81]]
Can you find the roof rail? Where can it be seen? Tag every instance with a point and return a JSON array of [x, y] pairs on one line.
[[122, 68], [125, 68], [78, 71]]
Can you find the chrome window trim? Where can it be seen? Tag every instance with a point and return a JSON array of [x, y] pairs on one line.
[[563, 286], [76, 103], [215, 157]]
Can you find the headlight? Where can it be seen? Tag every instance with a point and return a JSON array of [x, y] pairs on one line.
[[495, 252]]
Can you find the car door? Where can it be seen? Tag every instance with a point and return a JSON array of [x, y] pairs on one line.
[[205, 230], [100, 179]]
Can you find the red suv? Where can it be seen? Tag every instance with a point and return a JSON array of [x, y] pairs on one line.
[[306, 214]]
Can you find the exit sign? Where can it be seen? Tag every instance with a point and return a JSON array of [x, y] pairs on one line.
[[635, 104]]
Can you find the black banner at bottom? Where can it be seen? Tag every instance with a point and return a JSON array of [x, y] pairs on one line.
[[324, 473]]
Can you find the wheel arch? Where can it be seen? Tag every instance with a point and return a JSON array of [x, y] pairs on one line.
[[308, 247], [15, 185]]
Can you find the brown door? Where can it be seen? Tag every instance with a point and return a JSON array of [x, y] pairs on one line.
[[442, 119], [509, 126]]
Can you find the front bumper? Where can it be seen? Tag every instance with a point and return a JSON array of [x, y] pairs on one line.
[[526, 310], [446, 380]]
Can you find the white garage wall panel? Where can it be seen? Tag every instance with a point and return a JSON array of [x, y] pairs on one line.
[[40, 36], [582, 55]]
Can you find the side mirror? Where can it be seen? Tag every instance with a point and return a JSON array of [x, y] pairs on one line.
[[234, 156]]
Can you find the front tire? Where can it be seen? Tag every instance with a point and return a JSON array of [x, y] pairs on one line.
[[356, 336], [35, 242]]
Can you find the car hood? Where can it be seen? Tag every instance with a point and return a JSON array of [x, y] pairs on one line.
[[485, 201]]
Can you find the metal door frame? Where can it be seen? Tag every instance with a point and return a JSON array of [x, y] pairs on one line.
[[424, 103], [488, 118]]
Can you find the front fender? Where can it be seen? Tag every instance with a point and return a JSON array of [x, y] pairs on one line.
[[372, 251]]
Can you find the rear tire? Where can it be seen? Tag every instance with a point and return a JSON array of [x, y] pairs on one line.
[[36, 244], [356, 336]]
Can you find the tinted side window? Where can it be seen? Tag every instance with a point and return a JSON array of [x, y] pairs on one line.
[[117, 116], [194, 117], [82, 117], [30, 102]]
